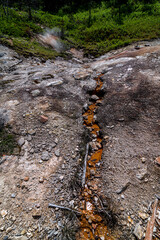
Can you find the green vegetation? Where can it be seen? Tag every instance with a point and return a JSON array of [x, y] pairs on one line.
[[7, 142], [99, 30]]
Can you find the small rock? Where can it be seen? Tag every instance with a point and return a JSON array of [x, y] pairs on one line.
[[61, 177], [143, 215], [45, 156], [6, 238], [2, 228], [41, 179], [2, 54], [138, 231], [4, 213], [26, 179], [94, 97], [36, 214], [43, 119], [21, 141], [32, 131], [157, 161], [142, 174], [143, 159], [57, 152], [19, 238], [81, 75], [23, 232], [8, 230], [123, 188], [85, 107], [13, 195], [35, 93]]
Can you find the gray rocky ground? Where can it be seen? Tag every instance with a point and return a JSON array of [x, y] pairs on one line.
[[42, 102]]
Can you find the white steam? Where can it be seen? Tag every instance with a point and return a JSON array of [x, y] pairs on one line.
[[52, 37]]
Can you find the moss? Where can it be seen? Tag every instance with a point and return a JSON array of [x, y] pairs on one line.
[[7, 142]]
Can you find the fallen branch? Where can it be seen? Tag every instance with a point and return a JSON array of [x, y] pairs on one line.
[[2, 161], [63, 208], [151, 222], [85, 166], [15, 64]]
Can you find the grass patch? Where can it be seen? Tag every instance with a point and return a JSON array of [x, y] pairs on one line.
[[7, 142], [104, 32]]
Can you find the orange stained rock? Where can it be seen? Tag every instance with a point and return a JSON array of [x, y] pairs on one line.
[[92, 225]]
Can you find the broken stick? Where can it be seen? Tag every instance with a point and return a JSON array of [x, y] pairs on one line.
[[63, 208], [85, 166], [151, 222]]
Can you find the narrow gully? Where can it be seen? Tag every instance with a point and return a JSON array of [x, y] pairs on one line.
[[93, 224]]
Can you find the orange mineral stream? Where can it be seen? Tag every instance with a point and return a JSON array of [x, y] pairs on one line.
[[92, 225]]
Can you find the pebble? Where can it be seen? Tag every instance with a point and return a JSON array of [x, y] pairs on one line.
[[143, 159], [6, 238], [13, 195], [57, 152], [19, 238], [21, 141], [138, 231], [36, 213], [94, 97], [4, 213], [23, 232], [35, 93], [45, 156], [26, 179], [32, 131], [157, 161], [142, 174], [143, 215], [43, 119], [8, 230], [41, 179]]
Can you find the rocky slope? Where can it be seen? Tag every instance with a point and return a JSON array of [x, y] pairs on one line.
[[42, 103]]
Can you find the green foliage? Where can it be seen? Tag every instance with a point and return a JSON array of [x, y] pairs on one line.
[[7, 142], [107, 26]]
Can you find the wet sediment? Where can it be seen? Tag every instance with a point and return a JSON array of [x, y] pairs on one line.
[[93, 222]]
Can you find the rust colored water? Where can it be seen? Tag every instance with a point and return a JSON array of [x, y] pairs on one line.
[[92, 224]]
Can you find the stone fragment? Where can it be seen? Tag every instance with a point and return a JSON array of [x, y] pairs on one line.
[[19, 238], [32, 131], [35, 93], [57, 152], [123, 188], [142, 173], [143, 215], [13, 195], [138, 231], [23, 232], [6, 238], [21, 141], [43, 119], [26, 179], [41, 179], [8, 230], [36, 213], [157, 161], [94, 97], [45, 156], [143, 159], [4, 213], [82, 75]]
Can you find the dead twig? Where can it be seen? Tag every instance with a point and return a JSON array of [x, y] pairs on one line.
[[2, 161], [63, 208], [85, 166], [15, 64], [102, 210], [151, 222]]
